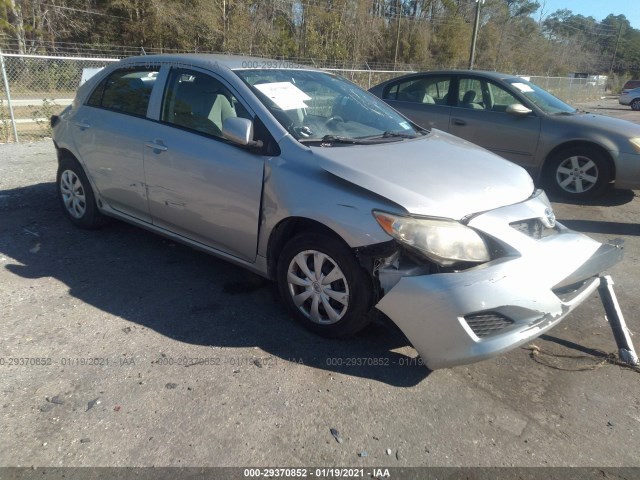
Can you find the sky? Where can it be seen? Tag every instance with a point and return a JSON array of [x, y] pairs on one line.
[[598, 9]]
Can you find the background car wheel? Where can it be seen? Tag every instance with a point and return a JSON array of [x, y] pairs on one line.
[[635, 105], [323, 285], [577, 173], [76, 195]]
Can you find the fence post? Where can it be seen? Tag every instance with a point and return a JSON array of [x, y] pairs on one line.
[[5, 79]]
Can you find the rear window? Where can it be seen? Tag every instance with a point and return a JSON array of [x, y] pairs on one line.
[[126, 90]]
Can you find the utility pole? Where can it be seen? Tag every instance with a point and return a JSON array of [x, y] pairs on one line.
[[615, 51], [399, 12], [472, 56]]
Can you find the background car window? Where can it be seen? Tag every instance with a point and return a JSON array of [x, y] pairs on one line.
[[199, 102], [421, 90], [125, 90], [501, 99], [470, 94]]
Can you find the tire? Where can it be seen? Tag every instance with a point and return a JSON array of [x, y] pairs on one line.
[[341, 306], [76, 195], [578, 173], [635, 104]]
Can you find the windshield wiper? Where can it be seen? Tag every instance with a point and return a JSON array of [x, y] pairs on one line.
[[392, 133], [332, 139]]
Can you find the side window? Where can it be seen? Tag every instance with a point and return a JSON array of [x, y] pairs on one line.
[[197, 101], [501, 99], [438, 89], [126, 90], [470, 94], [432, 90]]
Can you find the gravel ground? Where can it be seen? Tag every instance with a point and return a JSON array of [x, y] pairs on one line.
[[107, 319]]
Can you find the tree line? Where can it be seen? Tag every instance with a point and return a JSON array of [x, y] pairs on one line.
[[515, 36]]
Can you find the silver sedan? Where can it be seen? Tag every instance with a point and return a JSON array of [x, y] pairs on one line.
[[306, 179], [574, 154], [630, 98]]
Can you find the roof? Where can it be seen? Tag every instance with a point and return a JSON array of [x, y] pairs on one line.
[[208, 60], [483, 73]]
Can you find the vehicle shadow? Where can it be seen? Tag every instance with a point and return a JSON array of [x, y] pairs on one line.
[[610, 198], [186, 295], [610, 228], [594, 352]]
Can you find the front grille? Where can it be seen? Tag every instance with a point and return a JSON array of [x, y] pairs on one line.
[[488, 323], [533, 228]]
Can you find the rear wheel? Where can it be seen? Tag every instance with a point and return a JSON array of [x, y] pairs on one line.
[[76, 195], [577, 173], [323, 285], [635, 105]]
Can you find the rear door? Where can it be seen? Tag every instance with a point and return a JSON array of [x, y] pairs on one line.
[[107, 132], [200, 185], [480, 117], [423, 99]]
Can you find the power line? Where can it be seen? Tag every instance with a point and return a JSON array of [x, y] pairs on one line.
[[89, 12]]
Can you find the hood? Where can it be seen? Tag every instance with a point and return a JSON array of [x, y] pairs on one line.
[[438, 175], [601, 124]]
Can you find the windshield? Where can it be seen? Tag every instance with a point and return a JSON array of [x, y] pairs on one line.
[[321, 107], [541, 98]]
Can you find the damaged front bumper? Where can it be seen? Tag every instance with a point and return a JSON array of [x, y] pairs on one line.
[[470, 315]]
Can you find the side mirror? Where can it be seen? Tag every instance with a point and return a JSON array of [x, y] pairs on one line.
[[518, 110], [239, 131]]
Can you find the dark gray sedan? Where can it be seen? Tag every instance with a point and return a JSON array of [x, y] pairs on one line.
[[575, 154]]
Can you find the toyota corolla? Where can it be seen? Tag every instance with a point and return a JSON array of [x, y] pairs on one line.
[[308, 180]]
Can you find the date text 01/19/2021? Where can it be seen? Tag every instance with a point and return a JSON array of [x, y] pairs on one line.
[[316, 472]]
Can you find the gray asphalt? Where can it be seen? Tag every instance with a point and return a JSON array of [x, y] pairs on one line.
[[120, 348]]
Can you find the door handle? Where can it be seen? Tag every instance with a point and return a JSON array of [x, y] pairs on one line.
[[82, 125], [156, 146], [457, 121]]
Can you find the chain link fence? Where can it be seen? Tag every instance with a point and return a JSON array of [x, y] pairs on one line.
[[40, 86], [573, 90]]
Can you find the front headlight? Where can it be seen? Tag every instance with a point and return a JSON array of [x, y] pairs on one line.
[[635, 143], [446, 242]]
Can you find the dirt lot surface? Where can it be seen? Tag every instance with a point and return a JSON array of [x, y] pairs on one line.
[[135, 351]]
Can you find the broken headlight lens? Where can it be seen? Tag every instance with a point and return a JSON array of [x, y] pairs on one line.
[[446, 242]]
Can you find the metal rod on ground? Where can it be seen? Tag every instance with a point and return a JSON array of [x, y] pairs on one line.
[[5, 79], [616, 320]]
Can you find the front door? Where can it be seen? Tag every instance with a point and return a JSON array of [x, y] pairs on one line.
[[200, 185], [481, 118]]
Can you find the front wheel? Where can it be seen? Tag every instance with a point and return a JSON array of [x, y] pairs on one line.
[[323, 285], [635, 105], [577, 173]]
